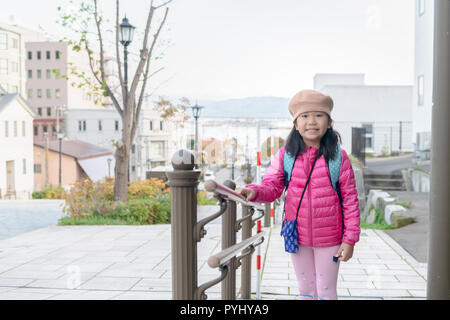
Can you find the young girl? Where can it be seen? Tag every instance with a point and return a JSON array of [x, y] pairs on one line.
[[326, 227]]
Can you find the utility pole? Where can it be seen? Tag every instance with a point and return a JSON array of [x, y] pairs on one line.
[[59, 135], [46, 158], [438, 279]]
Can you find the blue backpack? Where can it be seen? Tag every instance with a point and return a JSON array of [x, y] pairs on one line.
[[289, 228], [334, 167]]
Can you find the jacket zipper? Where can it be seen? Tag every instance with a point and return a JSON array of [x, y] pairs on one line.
[[309, 203]]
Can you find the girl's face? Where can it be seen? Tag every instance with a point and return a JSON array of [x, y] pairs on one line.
[[312, 126]]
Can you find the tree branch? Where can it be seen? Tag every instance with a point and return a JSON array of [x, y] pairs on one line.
[[162, 5], [107, 88], [141, 97], [119, 64], [102, 62], [144, 56]]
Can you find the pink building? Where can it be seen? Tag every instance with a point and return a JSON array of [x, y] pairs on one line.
[[48, 63], [79, 160]]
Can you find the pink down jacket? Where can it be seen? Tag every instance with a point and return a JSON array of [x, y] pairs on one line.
[[320, 222]]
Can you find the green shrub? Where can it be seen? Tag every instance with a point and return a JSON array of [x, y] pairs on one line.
[[50, 192], [92, 203], [203, 200], [38, 195]]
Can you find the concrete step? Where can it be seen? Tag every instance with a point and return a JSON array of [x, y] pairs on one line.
[[382, 176]]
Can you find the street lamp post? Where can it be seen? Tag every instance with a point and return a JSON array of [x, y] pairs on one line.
[[125, 38], [60, 136], [233, 157], [196, 114]]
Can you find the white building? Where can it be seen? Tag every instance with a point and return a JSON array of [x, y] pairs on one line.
[[16, 143], [12, 56], [99, 126], [423, 78], [384, 111], [157, 140]]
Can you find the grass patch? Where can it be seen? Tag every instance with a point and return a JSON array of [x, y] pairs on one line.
[[379, 222], [406, 205], [96, 220]]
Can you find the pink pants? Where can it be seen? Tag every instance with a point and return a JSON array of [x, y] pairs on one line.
[[316, 272]]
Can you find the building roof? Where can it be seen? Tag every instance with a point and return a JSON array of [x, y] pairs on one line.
[[7, 98], [75, 148]]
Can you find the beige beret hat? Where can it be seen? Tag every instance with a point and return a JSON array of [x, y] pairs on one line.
[[309, 100]]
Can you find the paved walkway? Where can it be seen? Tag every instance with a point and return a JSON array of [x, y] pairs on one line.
[[134, 262]]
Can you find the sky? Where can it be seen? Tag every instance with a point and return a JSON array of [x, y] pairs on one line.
[[217, 49]]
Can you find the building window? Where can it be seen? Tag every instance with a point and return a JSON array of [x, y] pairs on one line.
[[49, 93], [151, 125], [37, 168], [30, 93], [30, 55], [54, 130], [49, 111], [420, 89], [161, 125], [58, 93], [3, 66], [15, 128], [23, 128], [81, 125], [57, 54], [421, 7], [15, 43], [44, 128], [40, 111], [36, 130], [30, 74], [24, 165], [368, 135], [3, 41], [99, 125], [133, 148], [49, 73], [116, 125], [6, 129], [14, 67], [157, 149], [39, 55], [47, 55], [39, 93], [39, 73]]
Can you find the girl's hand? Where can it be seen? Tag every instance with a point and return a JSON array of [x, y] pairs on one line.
[[345, 252], [248, 194]]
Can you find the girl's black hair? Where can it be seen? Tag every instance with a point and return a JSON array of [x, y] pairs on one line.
[[295, 144]]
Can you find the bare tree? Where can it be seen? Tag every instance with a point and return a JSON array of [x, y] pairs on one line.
[[128, 104]]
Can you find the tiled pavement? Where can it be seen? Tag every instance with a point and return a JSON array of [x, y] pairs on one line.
[[134, 262]]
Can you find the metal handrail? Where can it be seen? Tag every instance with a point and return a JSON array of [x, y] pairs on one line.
[[225, 255], [227, 193]]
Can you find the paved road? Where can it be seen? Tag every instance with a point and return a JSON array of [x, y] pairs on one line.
[[17, 217], [414, 237], [388, 165]]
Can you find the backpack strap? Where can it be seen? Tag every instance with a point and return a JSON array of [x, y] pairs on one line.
[[334, 167], [288, 166]]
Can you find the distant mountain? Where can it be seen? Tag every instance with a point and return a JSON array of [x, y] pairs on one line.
[[252, 107]]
